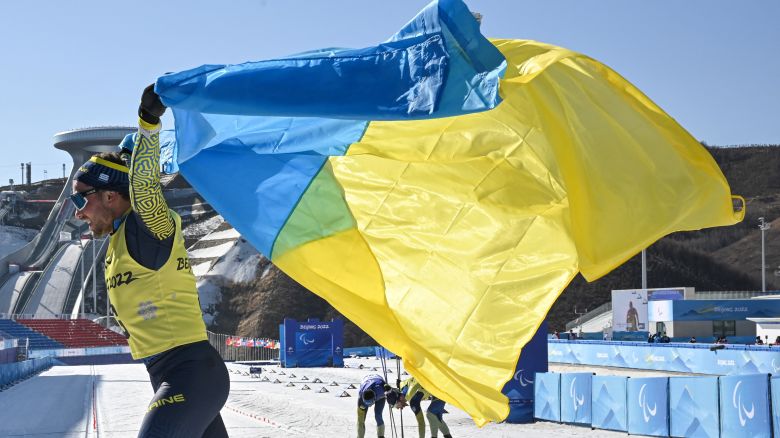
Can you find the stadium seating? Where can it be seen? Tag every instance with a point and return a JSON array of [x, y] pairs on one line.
[[75, 333], [37, 340]]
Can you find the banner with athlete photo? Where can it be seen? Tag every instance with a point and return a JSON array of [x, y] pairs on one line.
[[629, 310]]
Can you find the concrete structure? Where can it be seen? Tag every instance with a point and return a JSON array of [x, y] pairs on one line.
[[768, 328]]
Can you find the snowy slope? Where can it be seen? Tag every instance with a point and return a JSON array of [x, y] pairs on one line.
[[224, 259]]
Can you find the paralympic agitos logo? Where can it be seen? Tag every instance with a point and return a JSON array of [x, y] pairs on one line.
[[520, 377], [576, 400], [647, 411], [736, 400]]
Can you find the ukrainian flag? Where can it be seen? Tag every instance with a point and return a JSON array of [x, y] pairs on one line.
[[441, 189]]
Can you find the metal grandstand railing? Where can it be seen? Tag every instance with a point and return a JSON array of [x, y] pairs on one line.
[[582, 319], [230, 352]]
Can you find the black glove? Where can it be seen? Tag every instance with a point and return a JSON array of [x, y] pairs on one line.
[[126, 148], [392, 396], [127, 156], [151, 108]]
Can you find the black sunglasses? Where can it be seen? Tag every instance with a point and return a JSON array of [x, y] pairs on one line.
[[79, 199]]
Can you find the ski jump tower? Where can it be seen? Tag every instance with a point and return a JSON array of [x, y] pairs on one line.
[[83, 143], [80, 144], [36, 255]]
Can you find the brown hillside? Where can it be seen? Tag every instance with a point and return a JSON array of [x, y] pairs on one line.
[[258, 307], [723, 258]]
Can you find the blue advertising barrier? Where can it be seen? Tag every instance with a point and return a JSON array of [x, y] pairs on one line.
[[520, 389], [12, 372], [725, 406], [744, 406], [359, 351], [608, 407], [312, 343], [693, 407], [687, 358], [774, 389], [383, 353], [547, 396], [576, 398], [648, 406]]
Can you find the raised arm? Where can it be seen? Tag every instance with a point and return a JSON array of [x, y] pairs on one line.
[[146, 195]]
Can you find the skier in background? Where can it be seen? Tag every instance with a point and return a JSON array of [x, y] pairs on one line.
[[414, 393], [374, 391]]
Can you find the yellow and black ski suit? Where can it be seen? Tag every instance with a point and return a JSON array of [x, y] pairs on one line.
[[152, 292]]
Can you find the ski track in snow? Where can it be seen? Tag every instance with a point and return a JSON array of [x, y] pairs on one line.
[[59, 403]]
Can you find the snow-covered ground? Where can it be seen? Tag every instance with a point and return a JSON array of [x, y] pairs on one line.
[[110, 401], [13, 238]]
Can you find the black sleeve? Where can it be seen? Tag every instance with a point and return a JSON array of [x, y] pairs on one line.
[[143, 246]]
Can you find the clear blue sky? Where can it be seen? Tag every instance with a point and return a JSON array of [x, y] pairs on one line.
[[713, 65]]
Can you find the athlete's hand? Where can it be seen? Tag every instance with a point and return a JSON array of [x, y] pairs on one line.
[[151, 108]]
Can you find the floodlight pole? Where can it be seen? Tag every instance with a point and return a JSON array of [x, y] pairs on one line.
[[763, 226]]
